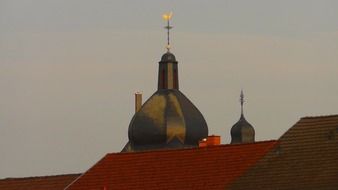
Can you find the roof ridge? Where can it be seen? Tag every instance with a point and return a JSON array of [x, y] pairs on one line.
[[190, 148], [35, 177], [319, 116]]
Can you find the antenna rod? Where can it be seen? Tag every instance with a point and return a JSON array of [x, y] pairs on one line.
[[167, 17], [168, 27], [242, 101]]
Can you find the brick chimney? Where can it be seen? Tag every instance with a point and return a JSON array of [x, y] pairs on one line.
[[138, 101], [212, 140]]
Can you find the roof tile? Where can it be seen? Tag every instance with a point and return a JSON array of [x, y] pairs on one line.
[[57, 182], [197, 168]]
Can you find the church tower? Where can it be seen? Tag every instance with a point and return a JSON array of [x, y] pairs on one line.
[[168, 119], [242, 131]]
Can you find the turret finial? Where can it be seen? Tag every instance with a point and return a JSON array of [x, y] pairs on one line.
[[242, 101], [167, 18]]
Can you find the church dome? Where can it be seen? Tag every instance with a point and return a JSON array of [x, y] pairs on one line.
[[166, 118]]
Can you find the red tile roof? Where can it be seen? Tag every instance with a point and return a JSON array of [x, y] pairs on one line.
[[58, 182], [197, 168], [305, 158]]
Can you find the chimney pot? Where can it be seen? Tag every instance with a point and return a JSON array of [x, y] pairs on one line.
[[138, 101], [212, 140]]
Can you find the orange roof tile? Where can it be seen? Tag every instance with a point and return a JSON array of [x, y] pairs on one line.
[[197, 168], [58, 182]]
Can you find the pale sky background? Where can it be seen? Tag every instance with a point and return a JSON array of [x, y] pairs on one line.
[[69, 68]]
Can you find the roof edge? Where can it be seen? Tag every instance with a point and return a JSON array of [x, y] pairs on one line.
[[35, 177], [320, 116], [85, 172], [191, 148]]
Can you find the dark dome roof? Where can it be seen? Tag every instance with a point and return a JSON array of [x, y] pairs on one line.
[[168, 57], [167, 119], [242, 132]]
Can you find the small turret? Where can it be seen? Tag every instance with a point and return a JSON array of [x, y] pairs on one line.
[[242, 131]]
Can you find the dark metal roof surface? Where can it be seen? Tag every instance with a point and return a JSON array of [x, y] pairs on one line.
[[168, 57], [242, 131], [168, 118]]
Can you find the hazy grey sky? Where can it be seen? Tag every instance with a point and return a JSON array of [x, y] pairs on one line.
[[69, 68]]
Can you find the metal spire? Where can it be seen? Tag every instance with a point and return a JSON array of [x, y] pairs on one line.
[[242, 101], [167, 18]]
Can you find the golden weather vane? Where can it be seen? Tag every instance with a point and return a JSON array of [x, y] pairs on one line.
[[167, 17]]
